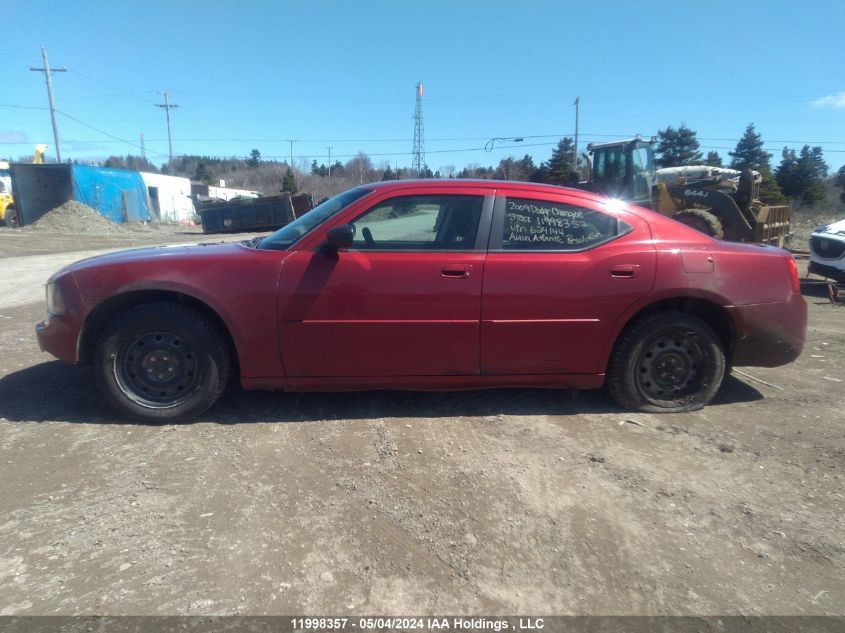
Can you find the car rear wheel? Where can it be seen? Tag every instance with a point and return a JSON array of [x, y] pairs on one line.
[[162, 362], [666, 362]]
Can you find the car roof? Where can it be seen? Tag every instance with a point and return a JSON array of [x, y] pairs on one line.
[[461, 183]]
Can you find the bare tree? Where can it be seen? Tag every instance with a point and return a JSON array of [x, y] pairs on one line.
[[361, 168]]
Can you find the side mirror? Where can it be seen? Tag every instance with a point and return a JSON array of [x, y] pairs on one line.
[[340, 237]]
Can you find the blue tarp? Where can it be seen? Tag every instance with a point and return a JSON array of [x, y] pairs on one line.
[[118, 194]]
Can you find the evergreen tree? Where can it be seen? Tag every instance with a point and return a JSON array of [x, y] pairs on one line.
[[254, 158], [289, 182], [840, 182], [749, 152], [527, 167], [560, 168], [677, 147], [713, 159], [203, 173], [801, 176], [770, 192], [319, 170], [133, 163], [389, 174], [540, 174]]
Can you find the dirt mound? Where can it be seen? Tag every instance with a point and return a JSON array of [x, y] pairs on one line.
[[75, 217]]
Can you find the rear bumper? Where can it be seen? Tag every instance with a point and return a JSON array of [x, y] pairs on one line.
[[770, 334]]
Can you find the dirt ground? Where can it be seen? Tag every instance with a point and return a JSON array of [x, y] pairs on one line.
[[503, 501]]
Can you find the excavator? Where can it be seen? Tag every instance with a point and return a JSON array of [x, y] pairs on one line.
[[723, 203], [8, 213]]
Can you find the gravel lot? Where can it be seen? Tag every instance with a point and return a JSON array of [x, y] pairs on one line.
[[502, 501]]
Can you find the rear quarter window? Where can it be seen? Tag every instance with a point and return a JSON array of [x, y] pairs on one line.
[[544, 225]]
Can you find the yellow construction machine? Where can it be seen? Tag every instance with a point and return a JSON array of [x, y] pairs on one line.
[[8, 213], [723, 203]]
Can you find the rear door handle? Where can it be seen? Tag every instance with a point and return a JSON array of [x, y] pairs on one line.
[[456, 271], [625, 271]]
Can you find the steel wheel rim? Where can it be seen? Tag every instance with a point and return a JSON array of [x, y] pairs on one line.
[[671, 366], [157, 370]]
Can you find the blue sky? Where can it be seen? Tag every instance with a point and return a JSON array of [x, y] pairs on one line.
[[252, 74]]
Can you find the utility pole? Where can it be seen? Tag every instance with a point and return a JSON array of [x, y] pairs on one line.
[[330, 163], [291, 141], [47, 73], [167, 106], [143, 151], [575, 158]]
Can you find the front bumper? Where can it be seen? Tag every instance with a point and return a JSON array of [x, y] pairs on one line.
[[770, 334], [58, 336], [824, 270]]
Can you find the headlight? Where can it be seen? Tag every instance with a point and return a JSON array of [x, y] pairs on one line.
[[55, 301]]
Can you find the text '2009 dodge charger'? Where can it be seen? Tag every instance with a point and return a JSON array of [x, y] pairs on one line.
[[432, 285]]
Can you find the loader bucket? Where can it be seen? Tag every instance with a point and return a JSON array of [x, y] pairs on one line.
[[773, 225]]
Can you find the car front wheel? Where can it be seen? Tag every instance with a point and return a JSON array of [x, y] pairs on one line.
[[666, 362], [162, 362]]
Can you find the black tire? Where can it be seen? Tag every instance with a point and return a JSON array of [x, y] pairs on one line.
[[666, 362], [11, 218], [161, 362], [701, 220]]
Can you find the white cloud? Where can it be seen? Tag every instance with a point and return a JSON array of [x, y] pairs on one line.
[[836, 101]]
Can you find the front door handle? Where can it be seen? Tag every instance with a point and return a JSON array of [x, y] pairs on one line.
[[625, 271], [456, 271]]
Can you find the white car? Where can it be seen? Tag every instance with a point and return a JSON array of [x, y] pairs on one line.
[[827, 251]]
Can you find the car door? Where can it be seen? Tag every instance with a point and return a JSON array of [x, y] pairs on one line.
[[559, 273], [404, 300]]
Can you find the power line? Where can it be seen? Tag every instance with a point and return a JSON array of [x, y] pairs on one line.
[[105, 85], [112, 136], [22, 107], [438, 139]]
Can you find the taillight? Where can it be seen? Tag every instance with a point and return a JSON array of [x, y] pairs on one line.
[[793, 274]]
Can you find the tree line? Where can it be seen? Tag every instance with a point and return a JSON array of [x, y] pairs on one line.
[[799, 176]]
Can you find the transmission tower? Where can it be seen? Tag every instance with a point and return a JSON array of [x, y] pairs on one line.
[[419, 151]]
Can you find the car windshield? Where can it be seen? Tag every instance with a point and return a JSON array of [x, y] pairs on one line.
[[290, 233]]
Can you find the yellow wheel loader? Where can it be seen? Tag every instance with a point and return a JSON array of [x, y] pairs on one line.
[[723, 203]]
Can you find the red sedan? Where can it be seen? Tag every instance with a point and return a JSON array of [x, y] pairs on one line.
[[432, 285]]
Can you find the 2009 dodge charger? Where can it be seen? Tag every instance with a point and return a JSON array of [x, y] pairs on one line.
[[432, 285]]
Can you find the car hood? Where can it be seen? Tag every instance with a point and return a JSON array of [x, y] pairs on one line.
[[837, 229], [156, 255]]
